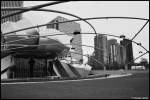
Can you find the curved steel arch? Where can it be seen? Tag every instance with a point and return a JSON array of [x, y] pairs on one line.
[[54, 44], [88, 19], [86, 55], [140, 45], [23, 46], [120, 38], [110, 17], [32, 8], [76, 16], [66, 44], [66, 34], [127, 18], [138, 31], [25, 8], [138, 57], [76, 52], [56, 11], [35, 36], [71, 21], [62, 34]]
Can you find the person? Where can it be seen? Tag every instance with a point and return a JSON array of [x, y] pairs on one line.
[[45, 73], [31, 62]]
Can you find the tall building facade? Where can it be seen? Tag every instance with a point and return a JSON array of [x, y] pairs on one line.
[[112, 51], [129, 50], [14, 18], [100, 44], [70, 27], [116, 54], [121, 56]]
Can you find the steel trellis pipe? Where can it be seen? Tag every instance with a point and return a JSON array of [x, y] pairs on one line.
[[18, 8], [138, 32], [79, 45], [140, 45], [76, 53], [71, 21], [76, 44], [69, 51], [59, 34], [56, 11], [39, 26], [140, 29], [98, 61], [66, 34], [35, 36], [23, 46], [106, 18], [33, 8], [65, 13], [138, 57]]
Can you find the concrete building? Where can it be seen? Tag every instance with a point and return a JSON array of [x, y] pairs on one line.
[[112, 51], [129, 50], [121, 58], [14, 18], [68, 28], [116, 54], [100, 41]]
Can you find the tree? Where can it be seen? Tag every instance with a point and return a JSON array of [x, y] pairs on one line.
[[144, 62]]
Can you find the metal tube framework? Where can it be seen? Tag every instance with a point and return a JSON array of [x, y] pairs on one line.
[[79, 19]]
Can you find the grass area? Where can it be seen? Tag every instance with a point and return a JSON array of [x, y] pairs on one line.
[[119, 71], [128, 87]]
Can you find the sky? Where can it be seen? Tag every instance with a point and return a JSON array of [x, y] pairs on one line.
[[84, 9]]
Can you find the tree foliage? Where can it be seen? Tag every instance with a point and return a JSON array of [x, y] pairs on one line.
[[144, 62]]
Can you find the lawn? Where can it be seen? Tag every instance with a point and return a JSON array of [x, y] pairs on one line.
[[135, 86]]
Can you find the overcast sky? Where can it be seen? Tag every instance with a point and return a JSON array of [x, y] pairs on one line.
[[86, 9]]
